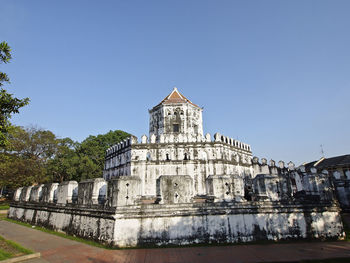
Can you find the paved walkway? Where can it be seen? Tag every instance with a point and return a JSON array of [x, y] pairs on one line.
[[57, 249]]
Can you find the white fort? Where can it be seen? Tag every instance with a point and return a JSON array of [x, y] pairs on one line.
[[179, 186], [176, 146]]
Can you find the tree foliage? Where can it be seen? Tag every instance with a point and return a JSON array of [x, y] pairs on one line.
[[5, 57], [8, 103], [33, 156], [23, 160], [86, 159]]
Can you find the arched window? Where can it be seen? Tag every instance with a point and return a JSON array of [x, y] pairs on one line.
[[185, 157], [167, 157]]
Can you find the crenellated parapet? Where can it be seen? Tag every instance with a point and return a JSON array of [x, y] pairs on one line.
[[232, 142], [174, 153], [176, 139], [121, 146], [270, 182], [92, 192], [286, 182]]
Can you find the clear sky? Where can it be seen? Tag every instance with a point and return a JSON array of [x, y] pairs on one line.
[[274, 74]]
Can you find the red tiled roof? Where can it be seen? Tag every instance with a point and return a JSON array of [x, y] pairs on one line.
[[176, 97]]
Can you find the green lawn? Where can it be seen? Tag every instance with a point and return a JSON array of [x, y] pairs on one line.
[[4, 207], [10, 249], [4, 204]]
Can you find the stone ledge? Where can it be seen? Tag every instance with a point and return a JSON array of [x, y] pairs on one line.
[[21, 258]]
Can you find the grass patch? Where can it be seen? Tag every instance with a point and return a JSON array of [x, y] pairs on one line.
[[5, 255], [4, 204], [10, 249], [4, 207]]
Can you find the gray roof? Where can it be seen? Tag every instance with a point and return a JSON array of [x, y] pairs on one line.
[[337, 161]]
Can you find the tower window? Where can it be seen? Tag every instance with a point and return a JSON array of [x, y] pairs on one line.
[[176, 128]]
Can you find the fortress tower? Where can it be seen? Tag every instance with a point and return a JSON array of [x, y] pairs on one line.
[[176, 114], [177, 149]]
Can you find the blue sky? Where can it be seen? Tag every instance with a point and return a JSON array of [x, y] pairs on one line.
[[274, 74]]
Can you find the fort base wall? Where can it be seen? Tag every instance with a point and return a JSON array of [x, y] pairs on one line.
[[180, 224]]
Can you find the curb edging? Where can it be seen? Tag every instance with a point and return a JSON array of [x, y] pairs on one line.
[[21, 258]]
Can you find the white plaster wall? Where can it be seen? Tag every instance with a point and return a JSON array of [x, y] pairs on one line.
[[106, 230], [325, 224], [16, 212], [28, 215], [197, 167], [59, 220], [222, 228], [17, 194], [126, 232], [173, 229], [41, 216], [85, 226], [66, 191]]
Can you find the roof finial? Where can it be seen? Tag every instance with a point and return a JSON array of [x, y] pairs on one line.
[[175, 88]]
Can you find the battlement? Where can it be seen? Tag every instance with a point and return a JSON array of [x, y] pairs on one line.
[[227, 140], [261, 166], [121, 146], [179, 138]]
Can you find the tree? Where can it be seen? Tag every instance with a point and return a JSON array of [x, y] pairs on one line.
[[95, 146], [63, 166], [24, 159], [8, 103], [85, 160], [5, 57], [34, 156]]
